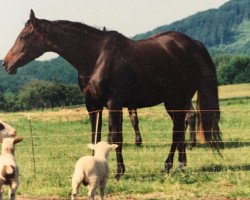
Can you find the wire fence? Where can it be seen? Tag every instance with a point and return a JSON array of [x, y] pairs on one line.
[[53, 142]]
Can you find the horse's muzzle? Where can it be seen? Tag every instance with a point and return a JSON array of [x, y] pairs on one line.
[[4, 63]]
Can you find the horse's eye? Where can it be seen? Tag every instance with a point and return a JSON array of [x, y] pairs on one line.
[[1, 127]]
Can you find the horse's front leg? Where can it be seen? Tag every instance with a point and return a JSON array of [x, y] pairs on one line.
[[95, 114], [115, 136], [135, 123]]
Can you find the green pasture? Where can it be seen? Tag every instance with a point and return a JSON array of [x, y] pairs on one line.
[[60, 138]]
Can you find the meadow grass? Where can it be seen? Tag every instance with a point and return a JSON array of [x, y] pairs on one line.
[[60, 139]]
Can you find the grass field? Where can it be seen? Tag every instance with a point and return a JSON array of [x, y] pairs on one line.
[[60, 138]]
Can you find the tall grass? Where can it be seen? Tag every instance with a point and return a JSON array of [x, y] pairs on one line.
[[60, 138]]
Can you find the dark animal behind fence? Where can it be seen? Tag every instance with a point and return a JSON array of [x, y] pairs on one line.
[[116, 72]]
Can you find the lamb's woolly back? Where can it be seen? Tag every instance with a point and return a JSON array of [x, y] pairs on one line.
[[92, 170]]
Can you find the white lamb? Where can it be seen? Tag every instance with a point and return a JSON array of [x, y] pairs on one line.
[[6, 130], [92, 171], [9, 171]]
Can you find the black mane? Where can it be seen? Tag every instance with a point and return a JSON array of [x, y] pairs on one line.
[[68, 27]]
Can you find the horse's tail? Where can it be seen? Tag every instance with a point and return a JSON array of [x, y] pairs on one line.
[[208, 103]]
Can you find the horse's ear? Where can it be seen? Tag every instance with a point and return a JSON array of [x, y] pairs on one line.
[[32, 17]]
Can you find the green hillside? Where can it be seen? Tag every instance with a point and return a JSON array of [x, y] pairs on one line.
[[56, 69], [223, 30]]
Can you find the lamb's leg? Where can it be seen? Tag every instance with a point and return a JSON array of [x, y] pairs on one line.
[[102, 189], [1, 192], [76, 181], [92, 189], [12, 191]]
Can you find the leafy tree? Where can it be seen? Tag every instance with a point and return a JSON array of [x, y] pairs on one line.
[[2, 102], [43, 94], [234, 69]]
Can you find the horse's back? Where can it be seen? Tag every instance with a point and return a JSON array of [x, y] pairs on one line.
[[151, 71]]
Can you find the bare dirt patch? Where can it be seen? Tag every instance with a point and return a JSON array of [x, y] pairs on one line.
[[151, 196]]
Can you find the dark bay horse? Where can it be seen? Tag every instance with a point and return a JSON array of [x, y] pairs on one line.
[[116, 72]]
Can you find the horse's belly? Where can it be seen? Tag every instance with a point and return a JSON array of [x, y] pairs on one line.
[[141, 101]]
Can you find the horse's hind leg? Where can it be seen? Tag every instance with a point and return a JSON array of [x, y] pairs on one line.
[[192, 130], [135, 123], [178, 141]]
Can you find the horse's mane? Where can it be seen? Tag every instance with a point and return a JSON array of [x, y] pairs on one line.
[[76, 25], [68, 27]]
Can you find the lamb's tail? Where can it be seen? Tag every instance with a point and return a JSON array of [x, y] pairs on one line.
[[8, 172]]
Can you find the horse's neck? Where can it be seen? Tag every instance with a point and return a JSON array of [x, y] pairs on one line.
[[81, 52]]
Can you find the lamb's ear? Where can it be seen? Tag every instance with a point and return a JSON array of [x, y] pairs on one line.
[[17, 140], [91, 146], [1, 140], [113, 146]]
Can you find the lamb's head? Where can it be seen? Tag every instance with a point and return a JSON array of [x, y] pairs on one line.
[[6, 130], [8, 144], [102, 148]]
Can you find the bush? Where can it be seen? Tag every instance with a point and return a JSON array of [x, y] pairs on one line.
[[42, 94]]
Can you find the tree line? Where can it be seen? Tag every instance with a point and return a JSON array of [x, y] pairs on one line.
[[39, 94], [233, 69]]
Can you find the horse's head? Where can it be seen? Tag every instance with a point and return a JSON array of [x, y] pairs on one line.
[[6, 130], [29, 45]]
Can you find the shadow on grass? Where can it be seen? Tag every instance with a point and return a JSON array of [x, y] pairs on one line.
[[236, 144], [221, 168], [145, 177], [227, 145]]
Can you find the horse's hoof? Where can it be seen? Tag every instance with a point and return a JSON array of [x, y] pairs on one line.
[[138, 141], [164, 172], [182, 166], [192, 145], [138, 144], [168, 166], [120, 172], [118, 176]]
